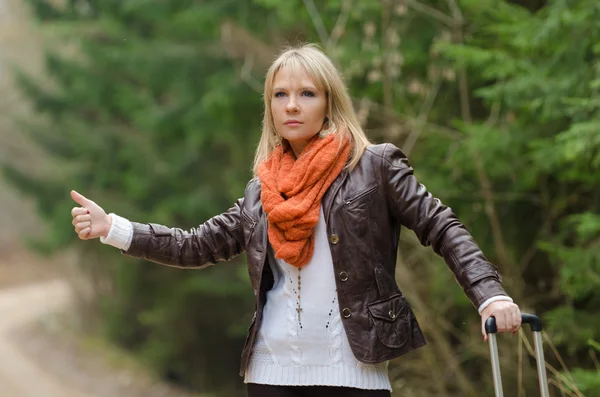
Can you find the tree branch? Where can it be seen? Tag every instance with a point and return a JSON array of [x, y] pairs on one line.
[[340, 24], [423, 116], [432, 12], [317, 20], [364, 110], [329, 40], [446, 353], [456, 12], [486, 189], [246, 74], [386, 81], [238, 43], [388, 115]]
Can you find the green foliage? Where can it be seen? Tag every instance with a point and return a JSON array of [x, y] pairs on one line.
[[588, 382], [541, 73], [149, 114], [146, 116]]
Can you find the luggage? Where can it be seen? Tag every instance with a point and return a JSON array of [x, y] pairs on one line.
[[536, 328]]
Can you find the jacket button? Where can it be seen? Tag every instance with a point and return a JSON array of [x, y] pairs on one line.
[[346, 313], [392, 314], [343, 276], [334, 239]]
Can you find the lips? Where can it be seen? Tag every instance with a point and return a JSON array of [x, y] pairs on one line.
[[293, 122]]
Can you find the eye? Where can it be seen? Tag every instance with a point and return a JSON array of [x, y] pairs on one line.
[[308, 93], [279, 94]]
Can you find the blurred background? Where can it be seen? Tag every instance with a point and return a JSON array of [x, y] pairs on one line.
[[153, 109]]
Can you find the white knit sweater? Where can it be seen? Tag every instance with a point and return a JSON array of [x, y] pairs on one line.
[[308, 350], [311, 349]]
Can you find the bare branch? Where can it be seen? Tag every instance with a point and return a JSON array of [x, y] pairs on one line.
[[363, 111], [340, 24], [548, 366], [386, 81], [246, 74], [432, 12], [317, 20], [560, 360], [423, 116], [388, 115], [443, 347], [329, 40], [456, 12], [494, 114], [485, 185], [238, 42]]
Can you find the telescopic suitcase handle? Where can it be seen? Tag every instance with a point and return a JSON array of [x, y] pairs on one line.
[[536, 328]]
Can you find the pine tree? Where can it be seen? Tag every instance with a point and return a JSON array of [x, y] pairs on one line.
[[146, 114], [539, 76], [153, 111]]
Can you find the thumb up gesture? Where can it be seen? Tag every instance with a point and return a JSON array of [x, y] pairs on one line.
[[90, 220]]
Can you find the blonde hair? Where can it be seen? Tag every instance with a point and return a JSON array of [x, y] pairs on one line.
[[339, 105]]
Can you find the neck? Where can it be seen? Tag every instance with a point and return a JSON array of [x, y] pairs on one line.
[[297, 148]]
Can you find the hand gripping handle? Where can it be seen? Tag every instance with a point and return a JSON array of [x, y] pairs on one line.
[[533, 321], [536, 327]]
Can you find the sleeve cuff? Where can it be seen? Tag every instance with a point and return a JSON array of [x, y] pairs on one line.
[[120, 233], [493, 299]]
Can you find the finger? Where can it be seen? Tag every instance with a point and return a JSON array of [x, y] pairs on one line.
[[485, 336], [82, 225], [507, 321], [499, 316], [501, 321], [516, 320], [84, 233], [78, 198], [79, 211], [81, 218]]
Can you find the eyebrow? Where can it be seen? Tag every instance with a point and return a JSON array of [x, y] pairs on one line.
[[301, 88]]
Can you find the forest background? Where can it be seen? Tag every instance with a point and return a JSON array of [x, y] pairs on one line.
[[153, 108]]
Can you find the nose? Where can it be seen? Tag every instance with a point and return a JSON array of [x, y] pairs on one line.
[[292, 105]]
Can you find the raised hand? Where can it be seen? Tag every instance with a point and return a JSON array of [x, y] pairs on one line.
[[90, 220]]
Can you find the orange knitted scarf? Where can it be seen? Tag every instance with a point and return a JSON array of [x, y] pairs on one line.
[[292, 190]]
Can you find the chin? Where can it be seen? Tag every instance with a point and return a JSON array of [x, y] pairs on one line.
[[298, 137]]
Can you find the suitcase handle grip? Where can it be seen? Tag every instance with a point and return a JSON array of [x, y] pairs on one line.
[[533, 321]]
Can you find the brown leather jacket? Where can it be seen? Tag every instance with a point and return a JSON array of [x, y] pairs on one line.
[[364, 210]]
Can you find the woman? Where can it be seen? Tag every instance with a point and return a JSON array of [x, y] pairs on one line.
[[320, 224]]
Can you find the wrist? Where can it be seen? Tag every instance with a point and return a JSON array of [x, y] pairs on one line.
[[491, 300], [108, 226]]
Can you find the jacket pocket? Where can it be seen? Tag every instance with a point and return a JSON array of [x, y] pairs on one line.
[[392, 319], [361, 195]]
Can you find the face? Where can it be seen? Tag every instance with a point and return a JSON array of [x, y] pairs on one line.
[[299, 108]]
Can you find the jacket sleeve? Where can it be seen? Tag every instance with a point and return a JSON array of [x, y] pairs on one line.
[[218, 239], [437, 226]]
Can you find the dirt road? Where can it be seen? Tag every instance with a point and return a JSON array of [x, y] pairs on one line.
[[20, 376], [44, 361]]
